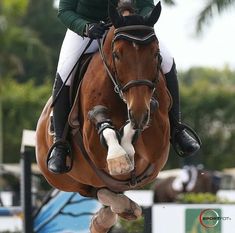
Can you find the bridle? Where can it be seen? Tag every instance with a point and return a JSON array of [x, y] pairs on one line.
[[139, 34]]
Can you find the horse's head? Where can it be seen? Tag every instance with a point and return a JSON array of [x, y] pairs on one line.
[[136, 61]]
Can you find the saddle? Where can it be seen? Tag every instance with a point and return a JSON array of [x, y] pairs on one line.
[[73, 122], [75, 89]]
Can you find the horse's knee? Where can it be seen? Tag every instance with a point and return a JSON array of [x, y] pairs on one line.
[[99, 116]]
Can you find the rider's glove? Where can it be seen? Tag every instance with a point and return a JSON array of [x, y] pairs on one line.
[[95, 30]]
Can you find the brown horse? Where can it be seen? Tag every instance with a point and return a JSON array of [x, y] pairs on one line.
[[129, 60], [190, 180]]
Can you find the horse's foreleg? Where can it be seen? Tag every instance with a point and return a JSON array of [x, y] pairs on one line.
[[128, 135], [120, 204], [103, 220], [117, 158]]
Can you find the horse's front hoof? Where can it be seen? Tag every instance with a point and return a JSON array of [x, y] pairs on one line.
[[132, 213], [103, 220], [120, 165]]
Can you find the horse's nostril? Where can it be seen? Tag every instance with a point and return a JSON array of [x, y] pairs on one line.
[[138, 121], [133, 120]]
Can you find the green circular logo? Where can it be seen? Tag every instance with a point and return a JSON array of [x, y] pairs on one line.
[[209, 218]]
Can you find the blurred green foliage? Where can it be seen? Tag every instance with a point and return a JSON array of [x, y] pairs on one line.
[[124, 226], [136, 226], [22, 104], [201, 198], [14, 9], [30, 39]]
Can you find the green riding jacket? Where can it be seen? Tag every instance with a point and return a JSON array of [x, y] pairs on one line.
[[75, 14]]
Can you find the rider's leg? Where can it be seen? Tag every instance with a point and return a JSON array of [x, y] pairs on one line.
[[71, 50], [57, 158], [182, 140]]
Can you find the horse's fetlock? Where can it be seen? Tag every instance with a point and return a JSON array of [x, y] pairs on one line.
[[99, 116], [105, 125], [108, 134]]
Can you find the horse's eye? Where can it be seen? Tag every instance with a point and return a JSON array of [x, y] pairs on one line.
[[156, 54], [116, 55]]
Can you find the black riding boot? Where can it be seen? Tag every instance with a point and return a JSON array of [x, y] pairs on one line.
[[61, 149], [182, 142]]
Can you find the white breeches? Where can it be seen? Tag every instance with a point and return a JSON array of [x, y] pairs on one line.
[[74, 45]]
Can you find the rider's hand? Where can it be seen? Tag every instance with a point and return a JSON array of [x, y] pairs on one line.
[[95, 30]]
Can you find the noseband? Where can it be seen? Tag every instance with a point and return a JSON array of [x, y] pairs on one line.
[[139, 34]]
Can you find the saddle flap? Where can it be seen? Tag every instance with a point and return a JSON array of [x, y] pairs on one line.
[[73, 118]]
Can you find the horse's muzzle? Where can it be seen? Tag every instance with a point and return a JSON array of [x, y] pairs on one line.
[[139, 120]]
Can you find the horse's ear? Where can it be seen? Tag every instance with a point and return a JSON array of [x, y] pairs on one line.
[[153, 16], [115, 17]]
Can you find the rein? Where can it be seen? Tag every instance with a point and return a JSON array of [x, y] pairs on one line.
[[139, 34], [115, 184]]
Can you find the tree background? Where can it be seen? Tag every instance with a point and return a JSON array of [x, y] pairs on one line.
[[30, 39]]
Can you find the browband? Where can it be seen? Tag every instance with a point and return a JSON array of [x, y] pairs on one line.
[[140, 34]]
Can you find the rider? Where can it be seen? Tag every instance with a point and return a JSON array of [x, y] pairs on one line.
[[82, 18]]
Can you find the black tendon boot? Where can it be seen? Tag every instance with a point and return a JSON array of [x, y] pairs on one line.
[[61, 148], [182, 142]]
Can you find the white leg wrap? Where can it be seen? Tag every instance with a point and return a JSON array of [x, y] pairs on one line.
[[126, 141], [118, 160], [114, 148]]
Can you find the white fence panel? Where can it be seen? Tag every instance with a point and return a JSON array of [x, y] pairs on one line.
[[180, 218]]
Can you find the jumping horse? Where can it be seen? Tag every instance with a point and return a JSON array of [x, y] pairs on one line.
[[191, 179], [120, 143]]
